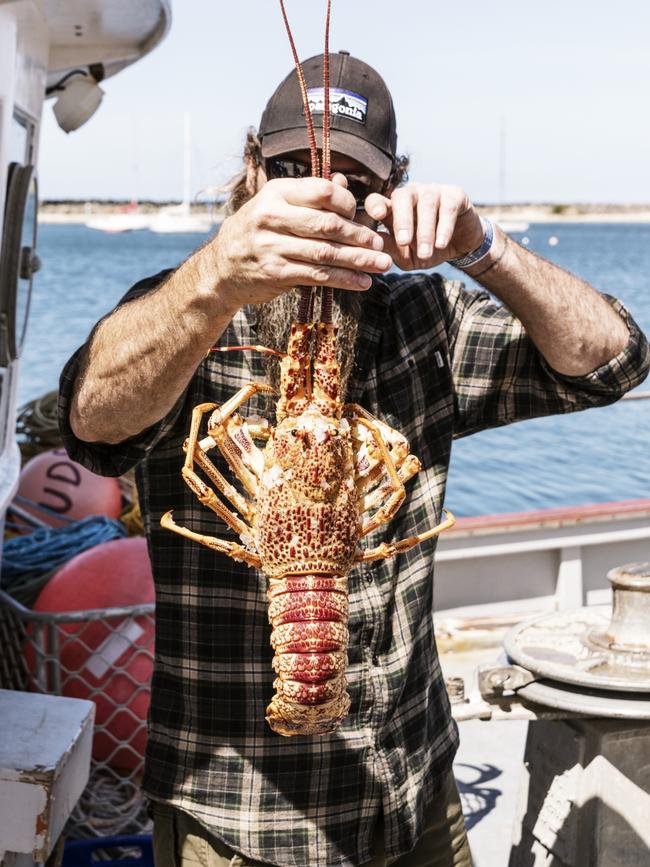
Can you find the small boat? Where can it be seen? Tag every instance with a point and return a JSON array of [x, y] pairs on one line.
[[128, 219], [179, 218], [513, 227]]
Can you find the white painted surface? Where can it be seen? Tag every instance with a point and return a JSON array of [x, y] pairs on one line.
[[538, 566], [45, 746], [113, 32]]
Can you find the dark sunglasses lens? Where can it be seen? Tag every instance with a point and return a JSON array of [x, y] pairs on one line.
[[359, 190], [279, 168]]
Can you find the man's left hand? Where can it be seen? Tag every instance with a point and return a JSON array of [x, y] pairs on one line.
[[427, 224]]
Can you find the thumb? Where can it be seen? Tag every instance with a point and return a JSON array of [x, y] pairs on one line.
[[379, 208]]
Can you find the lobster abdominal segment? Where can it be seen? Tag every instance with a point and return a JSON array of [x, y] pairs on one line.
[[309, 616]]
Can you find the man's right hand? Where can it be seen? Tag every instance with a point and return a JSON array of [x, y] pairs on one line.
[[295, 232]]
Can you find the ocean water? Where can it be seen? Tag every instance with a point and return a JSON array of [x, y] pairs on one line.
[[593, 456]]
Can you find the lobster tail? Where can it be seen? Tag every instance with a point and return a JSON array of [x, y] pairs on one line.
[[309, 616]]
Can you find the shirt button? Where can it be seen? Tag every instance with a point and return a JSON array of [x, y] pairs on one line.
[[375, 661], [368, 578]]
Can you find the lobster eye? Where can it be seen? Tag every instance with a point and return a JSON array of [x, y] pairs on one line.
[[294, 432]]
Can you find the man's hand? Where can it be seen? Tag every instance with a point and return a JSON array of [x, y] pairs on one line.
[[427, 223], [295, 233]]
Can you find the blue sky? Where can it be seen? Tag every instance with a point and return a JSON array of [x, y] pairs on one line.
[[571, 79]]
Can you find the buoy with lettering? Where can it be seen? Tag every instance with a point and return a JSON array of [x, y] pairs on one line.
[[108, 661], [66, 488]]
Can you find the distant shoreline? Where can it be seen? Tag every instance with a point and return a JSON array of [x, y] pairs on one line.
[[76, 212]]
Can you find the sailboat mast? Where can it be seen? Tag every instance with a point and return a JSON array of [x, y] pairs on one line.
[[187, 164], [502, 161]]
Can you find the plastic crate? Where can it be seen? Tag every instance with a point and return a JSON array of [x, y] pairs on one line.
[[105, 655], [120, 851]]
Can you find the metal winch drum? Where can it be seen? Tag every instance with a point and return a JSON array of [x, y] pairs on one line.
[[594, 660], [584, 794]]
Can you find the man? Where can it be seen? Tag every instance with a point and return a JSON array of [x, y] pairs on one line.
[[432, 359]]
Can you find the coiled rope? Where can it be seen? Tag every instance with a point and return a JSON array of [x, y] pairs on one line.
[[29, 561], [37, 425]]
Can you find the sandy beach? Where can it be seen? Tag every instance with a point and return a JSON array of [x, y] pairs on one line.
[[70, 212]]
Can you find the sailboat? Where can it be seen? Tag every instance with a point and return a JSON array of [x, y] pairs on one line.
[[129, 219], [179, 218]]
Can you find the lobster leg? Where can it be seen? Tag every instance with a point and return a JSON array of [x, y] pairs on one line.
[[389, 549], [243, 506], [395, 489], [194, 451], [228, 432], [372, 499], [223, 546]]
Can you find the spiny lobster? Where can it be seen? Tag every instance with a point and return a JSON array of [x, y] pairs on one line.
[[325, 465]]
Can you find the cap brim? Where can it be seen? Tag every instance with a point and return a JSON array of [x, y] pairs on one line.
[[359, 149]]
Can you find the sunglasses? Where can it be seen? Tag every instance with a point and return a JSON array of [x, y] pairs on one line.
[[360, 185]]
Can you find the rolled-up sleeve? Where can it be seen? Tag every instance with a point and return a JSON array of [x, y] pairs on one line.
[[107, 459], [500, 377]]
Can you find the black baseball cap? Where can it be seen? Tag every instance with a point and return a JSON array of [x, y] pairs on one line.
[[361, 109]]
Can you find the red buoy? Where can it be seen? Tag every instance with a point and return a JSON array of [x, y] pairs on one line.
[[107, 660], [52, 480]]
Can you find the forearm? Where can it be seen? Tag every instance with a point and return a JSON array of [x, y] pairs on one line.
[[142, 357], [571, 324]]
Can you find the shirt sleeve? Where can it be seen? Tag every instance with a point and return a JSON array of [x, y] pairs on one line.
[[106, 459], [500, 377]]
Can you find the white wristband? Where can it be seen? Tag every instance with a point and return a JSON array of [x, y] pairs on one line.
[[481, 252]]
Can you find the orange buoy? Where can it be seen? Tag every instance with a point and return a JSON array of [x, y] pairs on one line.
[[107, 660], [52, 480]]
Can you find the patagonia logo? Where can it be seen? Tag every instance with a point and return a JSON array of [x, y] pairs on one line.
[[342, 102]]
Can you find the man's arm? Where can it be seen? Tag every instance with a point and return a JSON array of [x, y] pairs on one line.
[[571, 324], [141, 357]]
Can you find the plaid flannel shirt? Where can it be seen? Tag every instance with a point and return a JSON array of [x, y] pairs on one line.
[[436, 362]]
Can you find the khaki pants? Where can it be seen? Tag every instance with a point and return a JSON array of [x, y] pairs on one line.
[[181, 841]]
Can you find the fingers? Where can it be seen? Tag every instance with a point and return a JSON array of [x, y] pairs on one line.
[[428, 205], [341, 180], [326, 225], [422, 220], [378, 208], [450, 207], [403, 202], [316, 193], [330, 254], [287, 273]]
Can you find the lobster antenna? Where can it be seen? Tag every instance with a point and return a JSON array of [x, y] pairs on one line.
[[306, 307], [313, 147], [326, 94], [326, 296], [263, 349]]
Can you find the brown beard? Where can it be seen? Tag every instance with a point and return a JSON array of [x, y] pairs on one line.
[[274, 320]]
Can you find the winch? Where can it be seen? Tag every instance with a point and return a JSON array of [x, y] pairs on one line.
[[592, 660], [582, 678]]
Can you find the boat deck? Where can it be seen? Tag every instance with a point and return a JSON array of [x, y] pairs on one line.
[[487, 770]]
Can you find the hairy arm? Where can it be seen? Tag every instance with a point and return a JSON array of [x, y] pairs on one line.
[[141, 358], [570, 323]]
